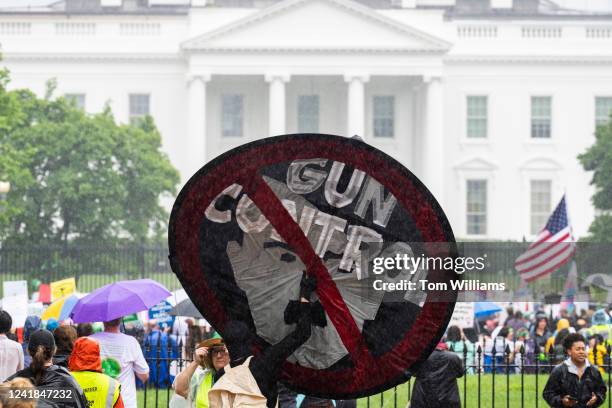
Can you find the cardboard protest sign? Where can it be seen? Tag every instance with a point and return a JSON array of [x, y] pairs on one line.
[[17, 307], [463, 316], [62, 288], [15, 288]]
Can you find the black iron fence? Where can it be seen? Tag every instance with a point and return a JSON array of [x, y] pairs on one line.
[[166, 357], [512, 378], [91, 266], [96, 265], [488, 382], [523, 374]]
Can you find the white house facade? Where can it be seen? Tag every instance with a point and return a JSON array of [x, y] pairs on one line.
[[489, 102]]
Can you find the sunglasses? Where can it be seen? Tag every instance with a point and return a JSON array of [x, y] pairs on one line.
[[218, 350]]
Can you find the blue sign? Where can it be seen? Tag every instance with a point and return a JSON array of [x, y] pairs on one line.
[[161, 313]]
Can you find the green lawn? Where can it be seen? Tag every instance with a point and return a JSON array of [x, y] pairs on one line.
[[162, 398], [398, 397], [486, 394]]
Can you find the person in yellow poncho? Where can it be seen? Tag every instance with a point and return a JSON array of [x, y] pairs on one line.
[[85, 363], [601, 325], [550, 343], [597, 352], [194, 382]]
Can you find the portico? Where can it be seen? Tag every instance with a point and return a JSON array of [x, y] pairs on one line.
[[266, 87]]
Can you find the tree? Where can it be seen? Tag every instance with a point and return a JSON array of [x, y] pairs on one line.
[[79, 178], [598, 159]]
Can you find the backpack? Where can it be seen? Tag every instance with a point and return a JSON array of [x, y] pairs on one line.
[[559, 354]]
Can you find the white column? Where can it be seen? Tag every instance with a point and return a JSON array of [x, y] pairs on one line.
[[356, 104], [197, 122], [433, 138], [417, 130], [276, 110]]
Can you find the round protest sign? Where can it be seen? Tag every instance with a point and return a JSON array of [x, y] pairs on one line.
[[246, 225]]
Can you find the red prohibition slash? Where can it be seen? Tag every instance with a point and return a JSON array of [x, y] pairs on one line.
[[290, 231], [242, 165]]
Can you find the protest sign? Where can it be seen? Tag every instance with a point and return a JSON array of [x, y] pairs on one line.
[[17, 307], [15, 288], [246, 226], [463, 316], [161, 313], [62, 288]]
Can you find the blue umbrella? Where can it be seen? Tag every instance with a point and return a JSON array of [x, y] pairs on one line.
[[485, 308]]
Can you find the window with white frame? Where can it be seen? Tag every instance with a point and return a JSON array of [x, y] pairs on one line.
[[383, 109], [477, 117], [541, 117], [603, 108], [541, 191], [232, 115], [476, 207], [308, 113], [78, 99], [139, 107], [75, 28]]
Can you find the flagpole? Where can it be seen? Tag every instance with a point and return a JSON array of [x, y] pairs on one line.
[[567, 212], [573, 270]]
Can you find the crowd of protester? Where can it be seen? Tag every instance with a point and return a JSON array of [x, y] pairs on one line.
[[101, 363], [525, 343], [67, 366], [104, 364]]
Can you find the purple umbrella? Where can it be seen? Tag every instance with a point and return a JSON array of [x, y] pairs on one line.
[[118, 299]]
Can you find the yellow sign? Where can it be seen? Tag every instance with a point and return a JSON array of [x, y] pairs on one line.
[[62, 288]]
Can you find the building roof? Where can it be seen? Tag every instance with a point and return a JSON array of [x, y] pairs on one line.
[[472, 9], [142, 6], [89, 7], [529, 9]]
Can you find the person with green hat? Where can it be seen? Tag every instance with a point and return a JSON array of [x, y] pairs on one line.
[[194, 382], [524, 351]]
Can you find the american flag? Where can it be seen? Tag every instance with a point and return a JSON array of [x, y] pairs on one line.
[[553, 247]]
